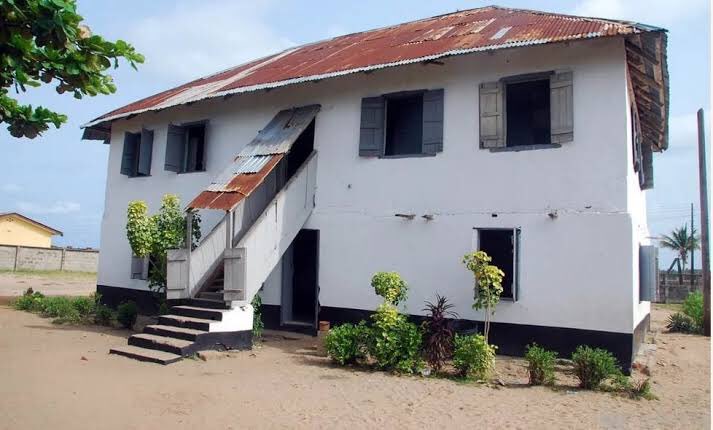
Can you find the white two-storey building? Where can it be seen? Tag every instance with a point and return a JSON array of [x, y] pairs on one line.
[[526, 134]]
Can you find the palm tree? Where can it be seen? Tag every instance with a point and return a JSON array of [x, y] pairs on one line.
[[680, 241]]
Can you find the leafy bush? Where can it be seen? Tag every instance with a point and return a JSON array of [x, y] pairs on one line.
[[62, 309], [473, 357], [126, 314], [681, 323], [103, 315], [84, 305], [593, 365], [438, 332], [258, 324], [693, 307], [540, 365], [635, 390], [30, 301], [390, 286], [348, 343], [395, 343]]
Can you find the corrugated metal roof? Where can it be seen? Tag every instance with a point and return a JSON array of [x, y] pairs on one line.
[[463, 32]]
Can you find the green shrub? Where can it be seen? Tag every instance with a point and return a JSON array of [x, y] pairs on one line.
[[258, 324], [473, 357], [84, 305], [126, 314], [390, 286], [682, 323], [103, 315], [636, 390], [593, 365], [540, 365], [348, 343], [30, 301], [693, 308], [395, 342]]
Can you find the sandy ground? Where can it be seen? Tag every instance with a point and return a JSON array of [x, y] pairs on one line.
[[13, 284], [62, 378]]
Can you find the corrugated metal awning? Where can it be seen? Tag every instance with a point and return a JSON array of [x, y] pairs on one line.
[[255, 162]]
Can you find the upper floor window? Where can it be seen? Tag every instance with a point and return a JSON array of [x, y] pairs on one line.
[[186, 148], [402, 124], [527, 111], [136, 155]]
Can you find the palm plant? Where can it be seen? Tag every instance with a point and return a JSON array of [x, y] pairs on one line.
[[438, 332], [681, 242]]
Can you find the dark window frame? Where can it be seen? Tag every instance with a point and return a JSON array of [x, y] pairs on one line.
[[135, 167], [516, 251], [186, 149], [401, 96], [521, 79]]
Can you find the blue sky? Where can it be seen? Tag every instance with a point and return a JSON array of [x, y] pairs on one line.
[[60, 180]]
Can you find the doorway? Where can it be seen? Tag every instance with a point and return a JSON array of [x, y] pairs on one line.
[[300, 281]]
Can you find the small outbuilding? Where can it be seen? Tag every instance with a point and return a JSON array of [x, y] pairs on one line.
[[19, 230]]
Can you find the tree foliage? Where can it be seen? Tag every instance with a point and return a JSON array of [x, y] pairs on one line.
[[153, 235], [390, 286], [44, 41], [488, 284], [682, 242]]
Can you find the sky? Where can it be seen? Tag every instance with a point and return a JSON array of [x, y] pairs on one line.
[[59, 179]]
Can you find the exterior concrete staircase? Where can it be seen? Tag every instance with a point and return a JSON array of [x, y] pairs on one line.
[[197, 325]]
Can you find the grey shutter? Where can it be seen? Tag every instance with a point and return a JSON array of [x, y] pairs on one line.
[[145, 151], [433, 121], [561, 108], [175, 148], [492, 118], [128, 156], [648, 272], [516, 265], [371, 136], [138, 267]]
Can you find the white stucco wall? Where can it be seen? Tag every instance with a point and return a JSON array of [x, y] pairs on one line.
[[576, 271]]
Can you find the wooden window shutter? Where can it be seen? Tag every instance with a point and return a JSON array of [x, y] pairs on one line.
[[371, 136], [648, 272], [175, 148], [145, 151], [128, 156], [433, 121], [492, 118], [138, 267], [516, 264], [561, 108]]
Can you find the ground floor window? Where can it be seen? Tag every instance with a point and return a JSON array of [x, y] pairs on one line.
[[502, 244]]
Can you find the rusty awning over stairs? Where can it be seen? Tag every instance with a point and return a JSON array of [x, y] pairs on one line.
[[255, 162]]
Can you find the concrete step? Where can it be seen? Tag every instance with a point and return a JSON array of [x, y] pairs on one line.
[[175, 332], [161, 343], [207, 303], [198, 312], [185, 322], [143, 354], [211, 295]]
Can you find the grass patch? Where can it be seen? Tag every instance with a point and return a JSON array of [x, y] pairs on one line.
[[50, 274], [65, 310], [674, 307]]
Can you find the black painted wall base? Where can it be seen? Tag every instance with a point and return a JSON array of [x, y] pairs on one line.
[[224, 341], [512, 339], [147, 301]]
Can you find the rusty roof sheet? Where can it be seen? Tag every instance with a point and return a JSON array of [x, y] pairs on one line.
[[458, 33], [239, 187]]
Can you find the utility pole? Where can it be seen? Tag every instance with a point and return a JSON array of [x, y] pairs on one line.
[[693, 253], [703, 186]]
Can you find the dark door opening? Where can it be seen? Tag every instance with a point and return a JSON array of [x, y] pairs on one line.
[[301, 290], [499, 245]]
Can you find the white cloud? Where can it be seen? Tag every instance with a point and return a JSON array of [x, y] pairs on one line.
[[10, 188], [58, 207], [201, 38], [661, 13]]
